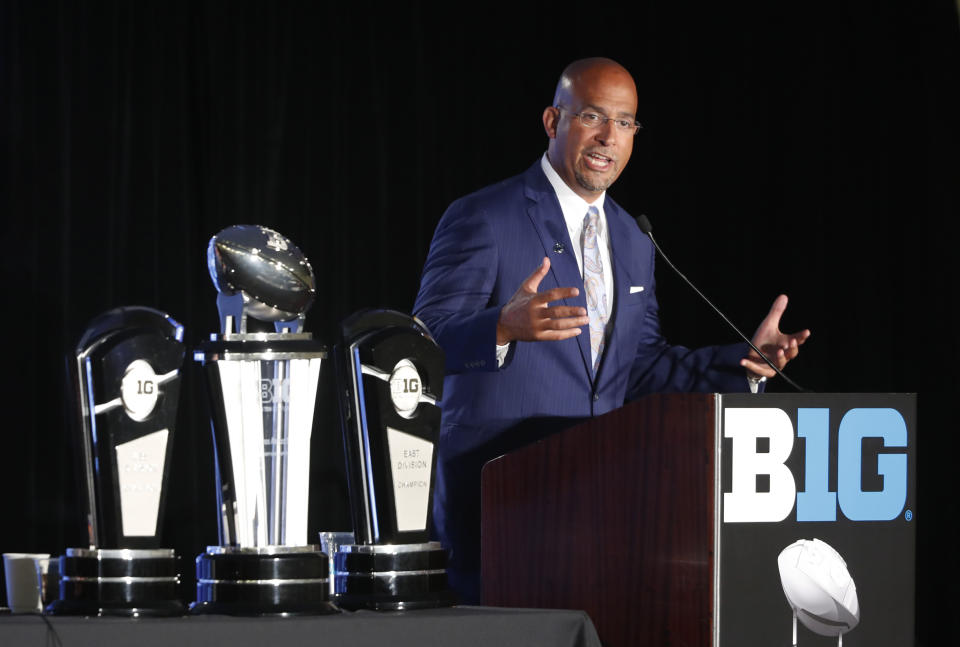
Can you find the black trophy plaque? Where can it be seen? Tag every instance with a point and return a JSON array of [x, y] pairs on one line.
[[126, 377], [390, 375]]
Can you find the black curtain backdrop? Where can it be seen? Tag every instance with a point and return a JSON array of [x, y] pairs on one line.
[[810, 149]]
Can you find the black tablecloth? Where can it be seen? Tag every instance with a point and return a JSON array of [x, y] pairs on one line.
[[459, 626]]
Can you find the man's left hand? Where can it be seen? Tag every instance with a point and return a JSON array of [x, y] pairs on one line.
[[779, 347]]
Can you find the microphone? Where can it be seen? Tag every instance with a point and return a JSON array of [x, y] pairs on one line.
[[644, 223]]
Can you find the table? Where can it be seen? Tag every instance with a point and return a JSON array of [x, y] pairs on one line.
[[460, 626]]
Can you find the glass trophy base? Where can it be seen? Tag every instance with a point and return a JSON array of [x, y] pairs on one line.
[[392, 577], [263, 581], [118, 582]]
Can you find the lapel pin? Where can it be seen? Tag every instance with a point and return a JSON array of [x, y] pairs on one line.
[[558, 247]]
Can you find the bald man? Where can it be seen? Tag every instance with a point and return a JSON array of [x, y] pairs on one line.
[[540, 289]]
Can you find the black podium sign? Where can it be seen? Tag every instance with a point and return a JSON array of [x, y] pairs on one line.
[[817, 516]]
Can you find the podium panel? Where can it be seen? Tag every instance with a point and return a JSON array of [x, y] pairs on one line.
[[692, 519]]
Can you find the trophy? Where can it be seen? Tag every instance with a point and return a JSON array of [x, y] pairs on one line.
[[126, 377], [262, 388], [390, 376]]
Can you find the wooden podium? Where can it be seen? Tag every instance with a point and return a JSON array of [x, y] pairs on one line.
[[666, 520], [614, 516]]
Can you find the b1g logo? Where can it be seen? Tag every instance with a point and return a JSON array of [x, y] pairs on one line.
[[274, 390], [816, 503]]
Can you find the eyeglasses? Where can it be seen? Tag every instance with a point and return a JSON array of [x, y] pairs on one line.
[[593, 120]]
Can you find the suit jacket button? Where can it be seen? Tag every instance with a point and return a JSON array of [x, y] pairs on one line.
[[596, 397]]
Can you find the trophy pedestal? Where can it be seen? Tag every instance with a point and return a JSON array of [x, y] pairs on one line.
[[268, 580], [118, 582], [392, 577]]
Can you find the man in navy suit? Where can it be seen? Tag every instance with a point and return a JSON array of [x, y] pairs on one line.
[[519, 368]]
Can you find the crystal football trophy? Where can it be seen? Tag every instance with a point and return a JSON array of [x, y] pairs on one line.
[[126, 377], [262, 388], [390, 376]]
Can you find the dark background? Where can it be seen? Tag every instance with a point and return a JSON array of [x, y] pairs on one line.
[[807, 148]]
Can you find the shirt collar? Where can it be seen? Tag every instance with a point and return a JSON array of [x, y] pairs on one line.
[[573, 206]]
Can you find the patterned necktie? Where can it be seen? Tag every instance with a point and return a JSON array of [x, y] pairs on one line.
[[595, 287]]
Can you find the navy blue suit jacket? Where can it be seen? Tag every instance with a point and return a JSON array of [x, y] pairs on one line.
[[485, 245]]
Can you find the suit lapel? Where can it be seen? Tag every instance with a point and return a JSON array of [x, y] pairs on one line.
[[619, 235], [547, 219]]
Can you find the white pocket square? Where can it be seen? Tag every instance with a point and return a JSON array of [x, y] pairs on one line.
[[636, 288]]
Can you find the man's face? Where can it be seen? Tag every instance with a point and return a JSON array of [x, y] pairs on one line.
[[590, 159]]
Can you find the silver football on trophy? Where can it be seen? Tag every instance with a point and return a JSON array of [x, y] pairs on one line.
[[273, 275]]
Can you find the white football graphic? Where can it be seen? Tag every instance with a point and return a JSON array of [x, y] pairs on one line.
[[819, 587]]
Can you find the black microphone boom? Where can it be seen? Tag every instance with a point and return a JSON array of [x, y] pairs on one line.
[[644, 223]]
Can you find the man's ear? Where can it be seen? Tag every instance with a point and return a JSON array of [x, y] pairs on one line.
[[551, 116]]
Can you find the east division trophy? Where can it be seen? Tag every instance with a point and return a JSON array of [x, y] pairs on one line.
[[390, 376], [126, 376], [262, 388]]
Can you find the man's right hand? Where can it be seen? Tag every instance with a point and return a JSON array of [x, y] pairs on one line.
[[528, 317]]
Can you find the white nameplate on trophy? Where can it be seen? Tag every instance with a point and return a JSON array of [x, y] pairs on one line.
[[140, 471], [410, 460]]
